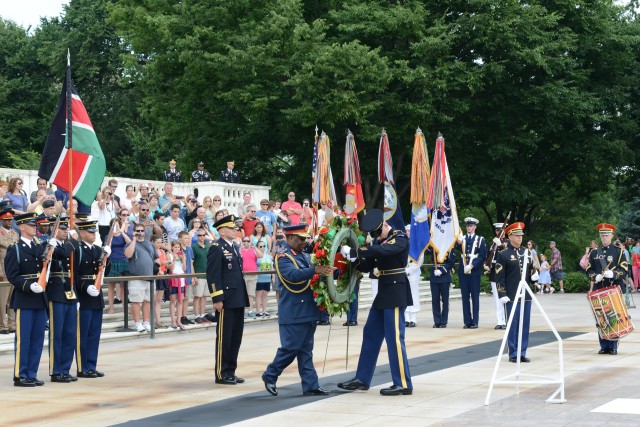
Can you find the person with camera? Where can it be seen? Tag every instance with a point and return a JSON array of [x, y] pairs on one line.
[[107, 209], [174, 224], [141, 255], [144, 219]]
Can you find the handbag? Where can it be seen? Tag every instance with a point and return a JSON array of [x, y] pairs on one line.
[[584, 261]]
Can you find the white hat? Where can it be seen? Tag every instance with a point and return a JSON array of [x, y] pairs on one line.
[[498, 225], [470, 220]]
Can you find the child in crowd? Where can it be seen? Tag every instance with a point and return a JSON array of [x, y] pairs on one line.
[[178, 285], [264, 280], [185, 243], [545, 276], [161, 267]]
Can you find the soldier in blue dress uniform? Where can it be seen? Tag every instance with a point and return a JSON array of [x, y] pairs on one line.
[[607, 267], [440, 282], [172, 174], [23, 265], [86, 260], [200, 175], [508, 269], [43, 229], [473, 252], [386, 317], [229, 294], [297, 314], [63, 313], [230, 175]]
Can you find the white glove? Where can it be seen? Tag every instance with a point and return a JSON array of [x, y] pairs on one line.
[[93, 291], [53, 243], [437, 272], [497, 242], [107, 250], [535, 277], [36, 288], [467, 268], [73, 233], [460, 238], [504, 300], [608, 274], [599, 278], [345, 251]]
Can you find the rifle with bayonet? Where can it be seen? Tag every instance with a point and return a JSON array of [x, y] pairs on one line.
[[102, 261], [494, 248], [48, 254]]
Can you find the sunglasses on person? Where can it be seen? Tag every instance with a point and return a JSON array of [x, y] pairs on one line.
[[217, 200], [138, 231], [201, 235], [144, 210], [245, 241]]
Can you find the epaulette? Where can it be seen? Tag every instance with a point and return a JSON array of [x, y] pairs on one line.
[[215, 244]]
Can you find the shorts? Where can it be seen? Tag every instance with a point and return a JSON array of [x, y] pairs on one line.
[[200, 288], [139, 290], [251, 280], [264, 286], [118, 268], [174, 291], [557, 275]]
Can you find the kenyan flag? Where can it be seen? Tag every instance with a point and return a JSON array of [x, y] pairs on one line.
[[72, 150]]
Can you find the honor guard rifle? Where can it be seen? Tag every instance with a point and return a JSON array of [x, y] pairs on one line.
[[48, 254], [494, 248], [102, 261]]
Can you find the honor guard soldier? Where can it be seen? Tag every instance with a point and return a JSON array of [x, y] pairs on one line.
[[229, 175], [200, 175], [501, 318], [172, 174], [473, 252], [297, 314], [43, 229], [607, 267], [8, 237], [509, 264], [229, 294], [86, 260], [23, 265], [63, 312], [440, 283], [386, 317]]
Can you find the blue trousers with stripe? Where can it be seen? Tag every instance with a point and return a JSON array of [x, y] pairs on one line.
[[63, 324], [512, 338], [29, 340], [384, 324], [296, 342], [90, 326], [470, 290]]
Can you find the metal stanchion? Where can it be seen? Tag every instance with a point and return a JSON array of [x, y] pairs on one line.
[[125, 305], [152, 309]]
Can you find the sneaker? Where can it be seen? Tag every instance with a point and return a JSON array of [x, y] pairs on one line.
[[146, 326], [266, 314], [562, 291], [552, 290], [139, 327], [185, 321], [199, 320], [259, 314], [252, 315], [160, 325]]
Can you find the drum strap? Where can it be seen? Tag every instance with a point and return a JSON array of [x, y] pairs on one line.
[[601, 259]]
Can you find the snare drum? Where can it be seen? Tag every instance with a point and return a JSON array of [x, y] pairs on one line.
[[612, 318]]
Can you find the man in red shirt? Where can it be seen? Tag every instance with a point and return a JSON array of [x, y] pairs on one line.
[[250, 220], [293, 208]]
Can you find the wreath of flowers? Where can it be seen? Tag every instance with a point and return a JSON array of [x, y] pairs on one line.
[[321, 256]]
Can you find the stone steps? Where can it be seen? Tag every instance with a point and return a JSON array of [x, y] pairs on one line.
[[113, 322]]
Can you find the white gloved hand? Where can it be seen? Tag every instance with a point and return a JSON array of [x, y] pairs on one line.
[[53, 243], [36, 288], [345, 251], [608, 274], [73, 233], [460, 238], [437, 272], [93, 291], [468, 268], [107, 250], [497, 241], [599, 278], [504, 300], [535, 277]]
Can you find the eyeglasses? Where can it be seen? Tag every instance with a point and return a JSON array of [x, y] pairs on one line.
[[216, 200], [252, 211], [245, 241], [201, 235], [144, 210], [264, 204], [114, 186], [138, 231]]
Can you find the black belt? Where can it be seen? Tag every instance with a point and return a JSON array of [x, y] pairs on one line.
[[60, 274], [393, 272], [92, 277]]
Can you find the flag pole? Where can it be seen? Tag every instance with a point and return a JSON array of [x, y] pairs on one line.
[[69, 125]]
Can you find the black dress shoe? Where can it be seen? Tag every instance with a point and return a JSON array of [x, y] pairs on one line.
[[270, 387], [473, 327], [498, 327], [395, 390], [412, 324], [353, 384], [5, 332], [513, 359], [406, 324], [443, 325], [613, 352], [97, 373], [238, 380], [37, 382], [87, 374], [23, 382], [604, 351], [210, 317], [71, 377], [317, 392], [117, 301], [435, 325], [60, 378], [350, 324], [524, 359], [466, 327], [322, 322], [227, 381]]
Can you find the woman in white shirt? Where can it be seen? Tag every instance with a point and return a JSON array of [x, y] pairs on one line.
[[106, 209]]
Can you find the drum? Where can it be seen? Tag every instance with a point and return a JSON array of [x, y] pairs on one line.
[[612, 318]]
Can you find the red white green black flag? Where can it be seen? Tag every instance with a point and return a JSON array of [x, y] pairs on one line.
[[72, 158]]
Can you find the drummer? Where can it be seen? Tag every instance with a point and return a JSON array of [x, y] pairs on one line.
[[607, 267]]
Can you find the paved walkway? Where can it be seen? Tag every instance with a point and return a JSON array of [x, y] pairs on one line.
[[169, 380]]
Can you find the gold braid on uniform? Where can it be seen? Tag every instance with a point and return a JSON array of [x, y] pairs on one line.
[[284, 282]]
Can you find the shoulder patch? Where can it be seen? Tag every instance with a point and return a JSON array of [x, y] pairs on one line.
[[215, 244], [391, 242]]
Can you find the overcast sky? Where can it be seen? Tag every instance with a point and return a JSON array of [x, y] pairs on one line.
[[28, 12]]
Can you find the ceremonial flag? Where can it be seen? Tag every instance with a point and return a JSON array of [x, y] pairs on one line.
[[392, 211], [72, 158], [354, 200], [323, 189], [419, 232], [444, 214]]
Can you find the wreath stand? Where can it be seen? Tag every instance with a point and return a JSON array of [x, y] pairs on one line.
[[518, 377]]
